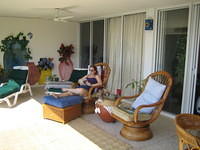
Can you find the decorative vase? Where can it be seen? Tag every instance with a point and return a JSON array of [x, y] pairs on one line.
[[65, 69], [34, 73], [44, 75]]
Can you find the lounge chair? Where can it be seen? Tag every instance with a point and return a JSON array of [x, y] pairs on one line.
[[17, 84]]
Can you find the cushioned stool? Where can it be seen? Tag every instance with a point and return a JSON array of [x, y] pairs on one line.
[[62, 109]]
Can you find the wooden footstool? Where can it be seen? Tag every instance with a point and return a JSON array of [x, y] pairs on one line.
[[62, 109]]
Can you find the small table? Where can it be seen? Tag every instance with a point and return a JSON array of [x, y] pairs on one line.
[[58, 84], [103, 109]]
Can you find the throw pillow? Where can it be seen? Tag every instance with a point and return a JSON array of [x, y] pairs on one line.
[[151, 94]]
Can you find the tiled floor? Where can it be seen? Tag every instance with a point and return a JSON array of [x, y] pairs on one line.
[[163, 129]]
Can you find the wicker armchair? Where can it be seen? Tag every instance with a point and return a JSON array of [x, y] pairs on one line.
[[187, 128], [136, 124], [89, 102]]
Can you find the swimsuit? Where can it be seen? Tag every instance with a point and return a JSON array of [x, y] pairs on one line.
[[91, 81]]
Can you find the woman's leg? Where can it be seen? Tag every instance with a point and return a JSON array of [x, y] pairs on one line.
[[62, 94], [77, 91]]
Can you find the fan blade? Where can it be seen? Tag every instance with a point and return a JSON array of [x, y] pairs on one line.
[[64, 18]]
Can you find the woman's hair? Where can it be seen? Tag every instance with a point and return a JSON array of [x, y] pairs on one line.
[[95, 69]]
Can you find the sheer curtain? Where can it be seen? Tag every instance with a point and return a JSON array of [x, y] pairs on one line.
[[133, 31], [160, 41], [114, 52]]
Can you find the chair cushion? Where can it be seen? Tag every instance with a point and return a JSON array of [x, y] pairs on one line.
[[18, 75], [9, 88], [129, 116], [63, 102], [152, 94]]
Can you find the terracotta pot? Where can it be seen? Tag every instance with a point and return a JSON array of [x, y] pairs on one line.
[[34, 73], [65, 70]]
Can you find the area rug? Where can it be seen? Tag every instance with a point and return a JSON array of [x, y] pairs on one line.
[[104, 140], [23, 128]]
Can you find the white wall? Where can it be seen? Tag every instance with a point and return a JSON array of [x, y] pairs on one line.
[[47, 37], [148, 53]]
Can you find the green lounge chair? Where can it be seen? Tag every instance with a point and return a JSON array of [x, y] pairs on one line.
[[17, 84]]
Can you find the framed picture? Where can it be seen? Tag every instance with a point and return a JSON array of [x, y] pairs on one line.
[[148, 24]]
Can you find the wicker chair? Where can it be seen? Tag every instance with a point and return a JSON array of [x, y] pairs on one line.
[[136, 124], [186, 125], [89, 102]]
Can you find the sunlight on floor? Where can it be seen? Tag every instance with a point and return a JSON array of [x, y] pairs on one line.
[[25, 122]]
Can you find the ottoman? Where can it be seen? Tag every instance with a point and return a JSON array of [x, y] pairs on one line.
[[62, 109]]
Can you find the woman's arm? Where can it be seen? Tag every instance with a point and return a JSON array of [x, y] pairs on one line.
[[81, 80]]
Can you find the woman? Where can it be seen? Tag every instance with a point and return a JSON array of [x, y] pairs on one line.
[[92, 79]]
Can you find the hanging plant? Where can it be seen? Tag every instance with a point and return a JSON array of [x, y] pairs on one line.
[[65, 52]]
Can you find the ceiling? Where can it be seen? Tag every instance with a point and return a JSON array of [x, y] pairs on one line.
[[80, 9]]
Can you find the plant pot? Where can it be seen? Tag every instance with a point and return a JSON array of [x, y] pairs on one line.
[[65, 70], [34, 73], [44, 75]]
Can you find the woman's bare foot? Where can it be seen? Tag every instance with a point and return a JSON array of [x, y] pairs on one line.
[[64, 89], [55, 95]]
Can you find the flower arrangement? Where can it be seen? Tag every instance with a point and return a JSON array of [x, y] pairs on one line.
[[45, 63], [65, 52]]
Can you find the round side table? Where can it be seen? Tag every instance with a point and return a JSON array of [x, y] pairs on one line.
[[104, 110]]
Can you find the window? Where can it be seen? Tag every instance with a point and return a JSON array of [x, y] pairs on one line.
[[91, 42]]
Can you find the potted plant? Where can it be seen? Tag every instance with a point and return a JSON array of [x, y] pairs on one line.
[[66, 64], [137, 86]]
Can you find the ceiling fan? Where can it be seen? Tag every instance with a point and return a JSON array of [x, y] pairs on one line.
[[59, 17]]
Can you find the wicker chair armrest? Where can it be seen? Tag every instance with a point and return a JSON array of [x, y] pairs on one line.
[[91, 90], [137, 110], [118, 100]]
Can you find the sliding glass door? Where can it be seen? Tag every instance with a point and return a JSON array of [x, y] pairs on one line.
[[84, 44], [171, 52]]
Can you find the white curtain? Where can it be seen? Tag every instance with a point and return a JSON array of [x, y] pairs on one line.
[[160, 41], [193, 47], [114, 52], [133, 31]]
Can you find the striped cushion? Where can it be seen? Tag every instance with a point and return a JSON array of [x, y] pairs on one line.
[[129, 116]]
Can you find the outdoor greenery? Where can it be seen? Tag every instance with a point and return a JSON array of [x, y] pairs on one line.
[[180, 59]]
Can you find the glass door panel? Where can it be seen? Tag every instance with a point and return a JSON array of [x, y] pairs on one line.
[[98, 41], [84, 44], [175, 40]]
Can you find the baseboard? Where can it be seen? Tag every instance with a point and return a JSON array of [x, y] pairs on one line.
[[167, 114]]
